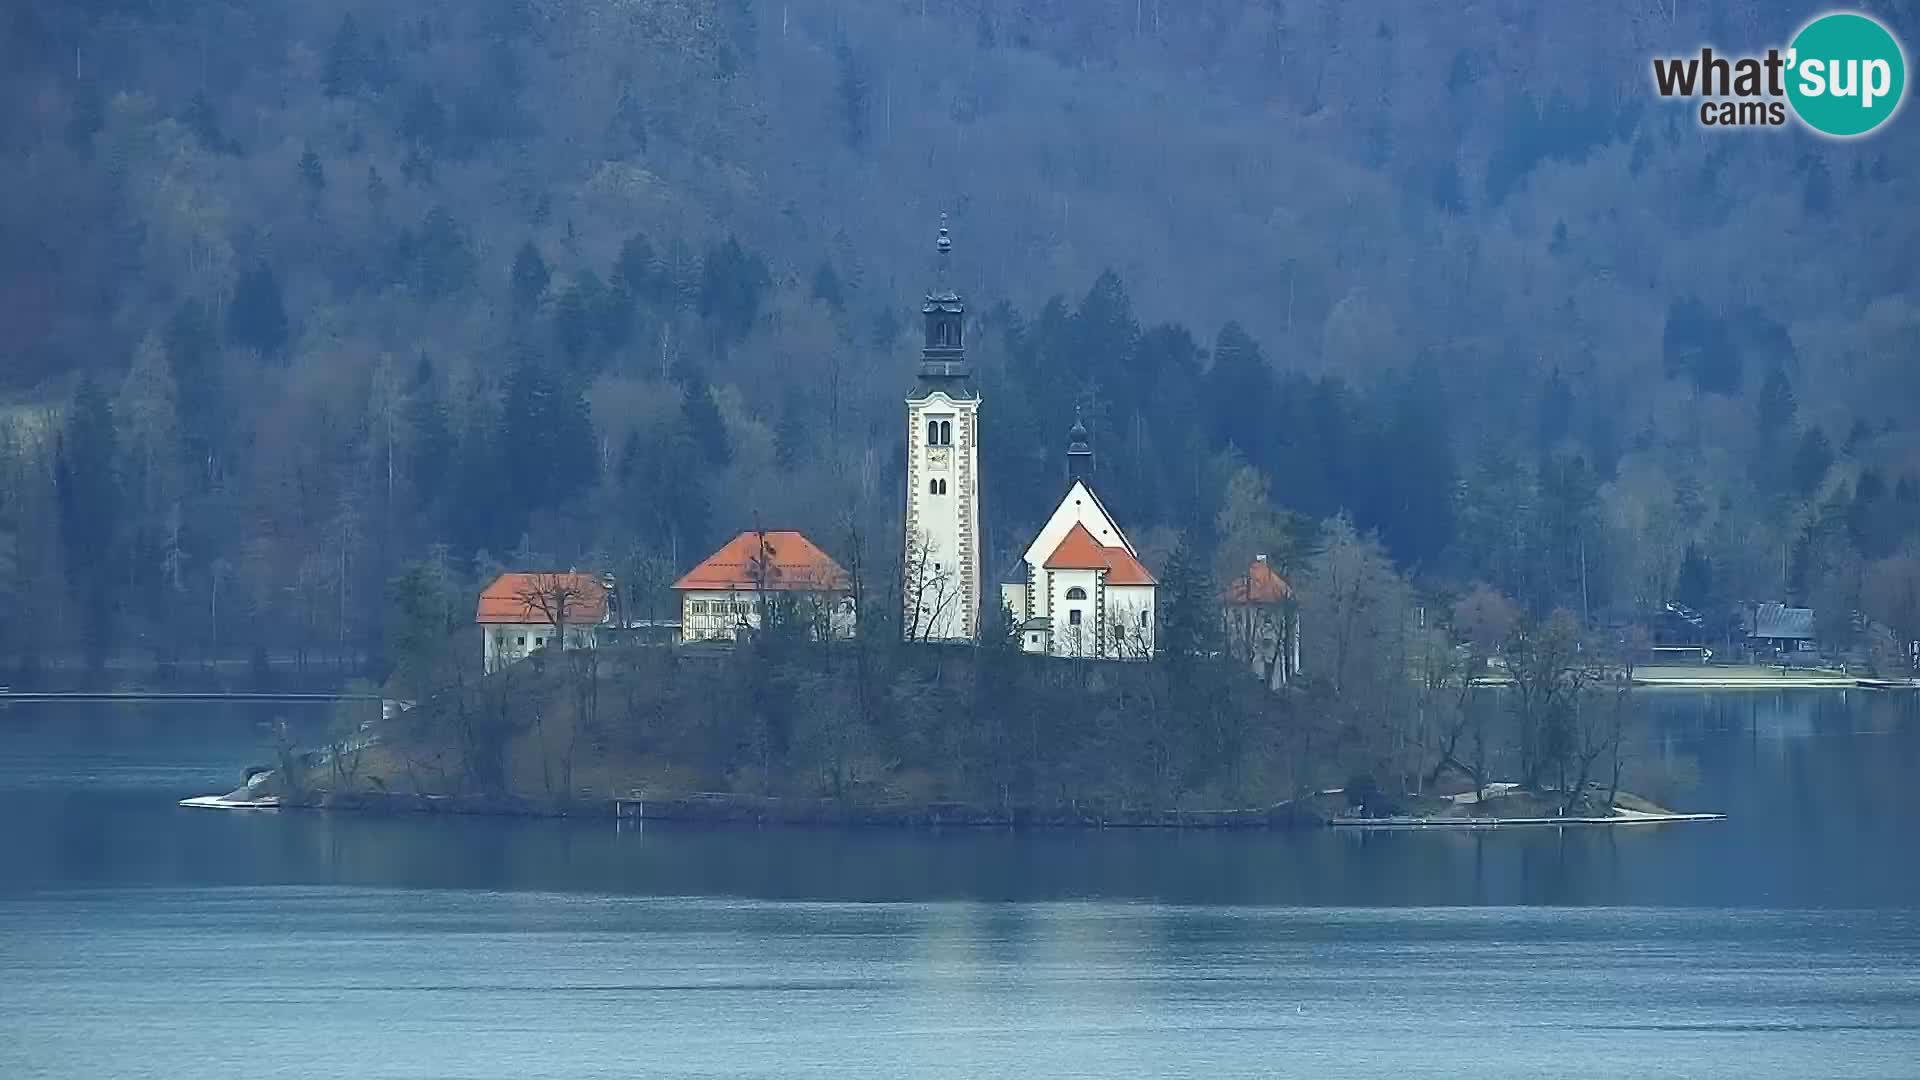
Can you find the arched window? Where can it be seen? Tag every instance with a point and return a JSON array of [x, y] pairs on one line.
[[933, 487], [946, 433], [1143, 616], [933, 433], [1076, 593], [943, 487]]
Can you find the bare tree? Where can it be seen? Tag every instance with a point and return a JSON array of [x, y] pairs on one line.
[[559, 599], [931, 590]]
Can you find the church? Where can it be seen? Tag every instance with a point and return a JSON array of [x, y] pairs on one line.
[[1078, 591]]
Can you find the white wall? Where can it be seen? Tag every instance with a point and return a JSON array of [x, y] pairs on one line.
[[949, 522], [716, 614], [506, 643]]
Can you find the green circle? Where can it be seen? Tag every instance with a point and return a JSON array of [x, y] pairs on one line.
[[1856, 54]]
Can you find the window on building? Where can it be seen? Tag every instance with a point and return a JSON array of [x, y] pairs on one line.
[[1076, 593], [522, 642], [1074, 616], [946, 433], [933, 433], [1143, 616], [933, 487]]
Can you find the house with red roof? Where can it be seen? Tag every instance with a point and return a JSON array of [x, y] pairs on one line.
[[1080, 590], [763, 570], [1261, 620], [524, 611]]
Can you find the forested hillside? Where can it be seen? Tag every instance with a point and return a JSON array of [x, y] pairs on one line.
[[293, 295]]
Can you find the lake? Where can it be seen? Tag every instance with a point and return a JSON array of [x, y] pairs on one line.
[[139, 939]]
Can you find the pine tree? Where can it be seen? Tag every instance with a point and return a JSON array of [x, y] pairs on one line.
[[703, 419], [257, 318], [636, 270], [193, 356], [88, 491], [827, 288], [345, 68], [313, 175], [530, 278], [444, 259]]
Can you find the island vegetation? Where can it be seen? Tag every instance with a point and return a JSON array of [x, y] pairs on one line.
[[883, 728]]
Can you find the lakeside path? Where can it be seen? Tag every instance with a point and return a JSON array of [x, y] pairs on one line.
[[1741, 677], [1758, 677]]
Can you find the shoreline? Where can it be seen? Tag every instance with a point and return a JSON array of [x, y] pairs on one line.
[[828, 813]]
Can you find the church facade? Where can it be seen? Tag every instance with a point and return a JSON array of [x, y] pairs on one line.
[[1079, 590], [941, 546]]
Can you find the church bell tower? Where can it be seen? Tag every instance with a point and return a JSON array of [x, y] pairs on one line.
[[941, 545]]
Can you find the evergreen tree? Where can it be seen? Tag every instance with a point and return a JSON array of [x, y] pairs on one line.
[[827, 288], [257, 318], [530, 278], [1812, 456], [345, 68], [1189, 609], [851, 90], [376, 191], [1556, 411], [430, 445], [790, 433], [193, 356], [702, 415], [442, 258], [733, 282], [313, 175], [580, 318], [1239, 394], [88, 491], [636, 271], [1694, 586]]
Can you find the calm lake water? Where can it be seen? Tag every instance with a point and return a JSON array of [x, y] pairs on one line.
[[138, 939]]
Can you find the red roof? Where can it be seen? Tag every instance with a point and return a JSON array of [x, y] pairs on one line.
[[1078, 550], [529, 598], [789, 561], [1259, 585]]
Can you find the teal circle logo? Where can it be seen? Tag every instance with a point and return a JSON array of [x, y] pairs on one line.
[[1846, 74]]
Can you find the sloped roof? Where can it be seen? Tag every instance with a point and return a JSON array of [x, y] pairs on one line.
[[1258, 585], [789, 562], [1783, 622], [1078, 550], [524, 598]]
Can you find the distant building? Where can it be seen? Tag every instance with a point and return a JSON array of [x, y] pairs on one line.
[[1080, 590], [1779, 628], [940, 542], [1261, 621], [524, 611], [729, 591]]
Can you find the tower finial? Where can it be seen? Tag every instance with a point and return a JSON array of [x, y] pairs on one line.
[[1079, 450]]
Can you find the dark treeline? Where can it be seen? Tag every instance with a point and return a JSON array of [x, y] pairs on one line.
[[298, 296]]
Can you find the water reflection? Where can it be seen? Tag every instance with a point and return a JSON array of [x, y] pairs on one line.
[[1815, 783]]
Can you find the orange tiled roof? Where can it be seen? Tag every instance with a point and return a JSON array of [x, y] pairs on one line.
[[1259, 585], [512, 598], [791, 560], [1078, 550]]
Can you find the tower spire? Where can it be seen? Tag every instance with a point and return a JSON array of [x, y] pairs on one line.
[[943, 359], [1079, 450]]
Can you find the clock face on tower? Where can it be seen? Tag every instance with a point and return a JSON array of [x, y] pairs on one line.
[[940, 458]]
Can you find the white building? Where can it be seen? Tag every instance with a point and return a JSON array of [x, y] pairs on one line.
[[522, 612], [1080, 589], [941, 545], [731, 590]]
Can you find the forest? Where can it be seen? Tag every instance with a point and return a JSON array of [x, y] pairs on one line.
[[302, 299]]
